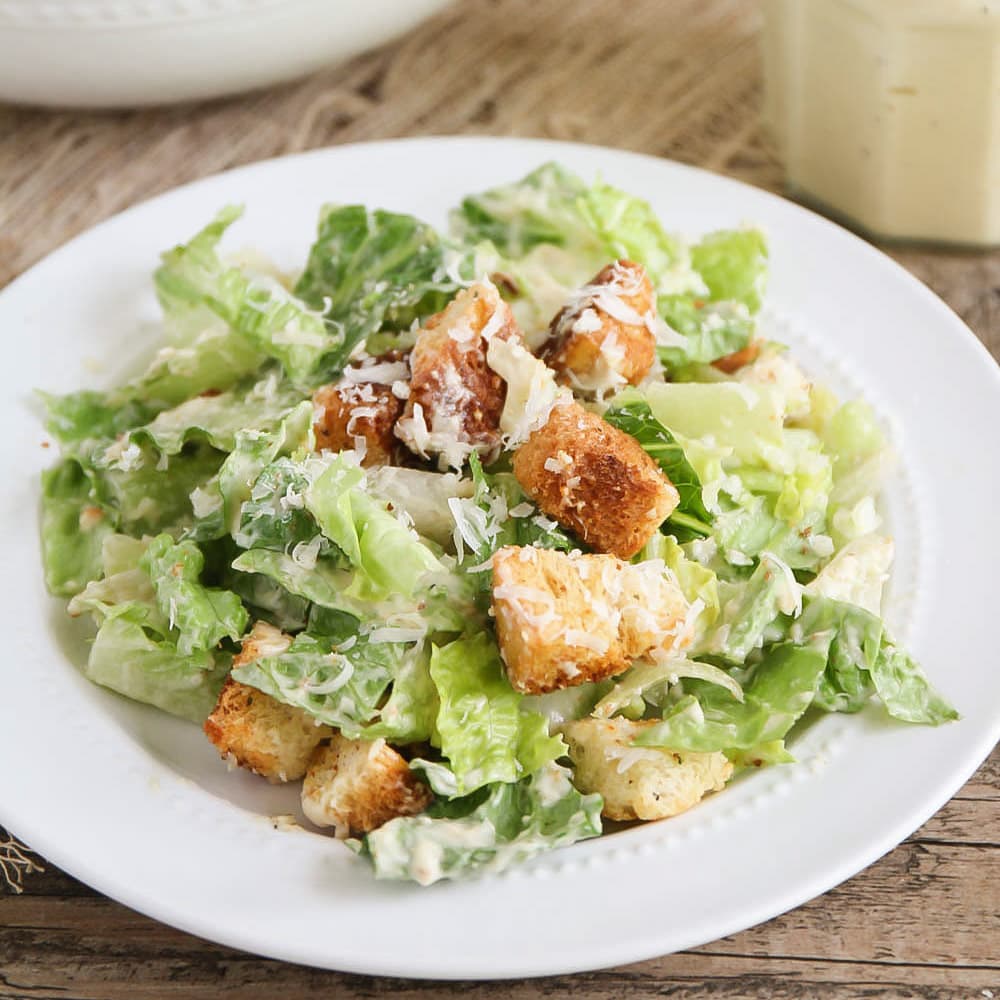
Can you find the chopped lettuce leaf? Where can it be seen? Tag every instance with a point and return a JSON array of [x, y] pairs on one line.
[[253, 405], [368, 270], [863, 660], [905, 691], [744, 417], [650, 680], [202, 615], [263, 318], [857, 573], [127, 659], [338, 683], [83, 418], [390, 557], [73, 528], [709, 718], [410, 713], [750, 607], [512, 823], [733, 264], [484, 735], [690, 519]]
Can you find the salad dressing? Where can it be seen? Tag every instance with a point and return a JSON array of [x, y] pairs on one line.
[[888, 112]]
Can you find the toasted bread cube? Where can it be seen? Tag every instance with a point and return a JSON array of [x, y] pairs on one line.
[[357, 785], [595, 480], [566, 619], [639, 782], [257, 731], [455, 397], [604, 338], [360, 410], [264, 640], [732, 363]]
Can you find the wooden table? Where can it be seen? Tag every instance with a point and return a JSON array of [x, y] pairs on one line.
[[679, 79]]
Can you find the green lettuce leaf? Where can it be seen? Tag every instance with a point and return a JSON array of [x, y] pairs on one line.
[[263, 318], [597, 223], [217, 504], [266, 599], [709, 718], [79, 420], [202, 615], [550, 233], [905, 691], [151, 493], [410, 713], [368, 270], [733, 264], [390, 558], [750, 607], [484, 735], [744, 417], [251, 405], [73, 528], [338, 683], [126, 658], [690, 518], [486, 832], [708, 330], [863, 660], [274, 515]]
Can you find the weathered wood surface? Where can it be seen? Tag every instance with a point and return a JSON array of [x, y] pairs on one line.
[[679, 79]]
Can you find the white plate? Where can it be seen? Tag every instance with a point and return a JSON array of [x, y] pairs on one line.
[[138, 805]]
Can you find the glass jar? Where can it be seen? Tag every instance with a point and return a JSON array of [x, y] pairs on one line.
[[887, 112]]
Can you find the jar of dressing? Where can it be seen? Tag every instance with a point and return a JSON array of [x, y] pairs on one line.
[[887, 112]]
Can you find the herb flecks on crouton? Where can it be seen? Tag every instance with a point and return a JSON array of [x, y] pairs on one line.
[[256, 731], [456, 399], [566, 619], [604, 338], [639, 782], [595, 480], [357, 785]]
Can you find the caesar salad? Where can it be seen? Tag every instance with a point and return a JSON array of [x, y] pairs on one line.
[[483, 536]]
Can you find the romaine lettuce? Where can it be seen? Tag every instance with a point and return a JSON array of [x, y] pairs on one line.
[[486, 832]]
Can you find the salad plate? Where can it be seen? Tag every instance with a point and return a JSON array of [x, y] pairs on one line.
[[135, 802]]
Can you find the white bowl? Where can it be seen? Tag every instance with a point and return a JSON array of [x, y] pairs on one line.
[[124, 53]]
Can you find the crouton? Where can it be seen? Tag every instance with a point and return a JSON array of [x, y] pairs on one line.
[[730, 363], [566, 619], [257, 731], [455, 397], [604, 338], [639, 782], [360, 410], [357, 785], [595, 480]]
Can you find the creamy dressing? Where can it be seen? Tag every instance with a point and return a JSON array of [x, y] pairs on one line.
[[888, 111]]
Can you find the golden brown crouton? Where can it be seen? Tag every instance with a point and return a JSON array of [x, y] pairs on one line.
[[639, 782], [731, 363], [604, 338], [357, 785], [563, 620], [363, 406], [595, 480], [257, 731], [264, 640], [455, 397]]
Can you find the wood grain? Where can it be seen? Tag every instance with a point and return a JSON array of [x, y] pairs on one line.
[[679, 79]]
